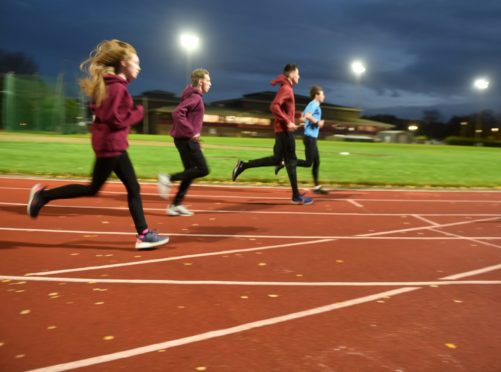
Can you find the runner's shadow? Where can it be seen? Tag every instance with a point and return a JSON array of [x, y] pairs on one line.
[[225, 232], [55, 211]]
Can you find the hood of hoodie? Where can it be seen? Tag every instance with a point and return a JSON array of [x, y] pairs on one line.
[[188, 91], [115, 79], [281, 79]]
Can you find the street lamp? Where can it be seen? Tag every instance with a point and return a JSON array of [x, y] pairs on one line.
[[480, 84], [358, 69], [189, 42]]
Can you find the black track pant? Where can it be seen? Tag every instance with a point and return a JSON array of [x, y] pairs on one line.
[[312, 157], [194, 165], [103, 167], [285, 148]]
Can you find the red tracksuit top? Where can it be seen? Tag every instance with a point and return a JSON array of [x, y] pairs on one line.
[[114, 117], [283, 106]]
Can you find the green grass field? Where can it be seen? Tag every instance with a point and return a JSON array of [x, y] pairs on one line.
[[368, 164]]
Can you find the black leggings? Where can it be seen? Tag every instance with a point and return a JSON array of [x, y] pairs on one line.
[[194, 165], [312, 157], [285, 148], [103, 167]]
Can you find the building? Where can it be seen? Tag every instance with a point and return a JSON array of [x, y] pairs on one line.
[[250, 116]]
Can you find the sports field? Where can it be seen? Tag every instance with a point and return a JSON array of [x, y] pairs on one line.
[[342, 163], [365, 279]]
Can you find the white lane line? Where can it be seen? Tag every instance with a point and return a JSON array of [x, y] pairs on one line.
[[239, 197], [248, 283], [428, 227], [473, 272], [332, 237], [222, 332], [421, 218], [352, 201], [243, 211], [242, 327], [471, 239], [237, 236], [176, 258], [250, 186]]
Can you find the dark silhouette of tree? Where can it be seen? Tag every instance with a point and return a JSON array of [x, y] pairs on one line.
[[17, 62], [433, 126]]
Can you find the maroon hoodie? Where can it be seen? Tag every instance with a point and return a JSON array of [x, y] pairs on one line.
[[283, 106], [114, 118], [188, 116]]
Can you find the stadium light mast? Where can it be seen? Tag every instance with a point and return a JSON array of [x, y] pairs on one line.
[[480, 85], [190, 42]]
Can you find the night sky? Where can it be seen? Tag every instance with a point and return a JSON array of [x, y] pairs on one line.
[[420, 54]]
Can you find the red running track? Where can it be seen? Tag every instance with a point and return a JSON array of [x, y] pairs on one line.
[[362, 280]]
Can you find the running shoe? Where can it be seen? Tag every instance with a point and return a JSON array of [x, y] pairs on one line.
[[178, 210], [300, 199], [35, 202], [239, 168], [320, 190], [149, 240], [164, 185], [279, 167]]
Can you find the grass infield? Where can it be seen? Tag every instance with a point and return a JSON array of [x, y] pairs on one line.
[[342, 163]]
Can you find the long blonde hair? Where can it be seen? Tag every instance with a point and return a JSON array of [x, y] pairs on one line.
[[104, 59]]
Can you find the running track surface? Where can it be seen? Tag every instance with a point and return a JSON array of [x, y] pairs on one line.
[[364, 280]]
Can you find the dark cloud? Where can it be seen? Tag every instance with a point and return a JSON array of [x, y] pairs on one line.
[[419, 53]]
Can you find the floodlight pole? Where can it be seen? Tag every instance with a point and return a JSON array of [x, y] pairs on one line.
[[480, 84]]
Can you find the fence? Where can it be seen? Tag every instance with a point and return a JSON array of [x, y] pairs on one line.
[[30, 103]]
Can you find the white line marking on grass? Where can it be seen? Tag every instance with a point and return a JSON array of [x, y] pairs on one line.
[[176, 258], [352, 201], [222, 332], [247, 283]]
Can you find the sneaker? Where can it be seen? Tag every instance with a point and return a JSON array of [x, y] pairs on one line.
[[239, 168], [150, 240], [35, 202], [300, 199], [320, 190], [164, 185], [178, 210], [279, 167]]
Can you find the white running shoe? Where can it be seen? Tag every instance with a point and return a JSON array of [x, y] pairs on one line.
[[178, 210], [164, 185], [150, 240]]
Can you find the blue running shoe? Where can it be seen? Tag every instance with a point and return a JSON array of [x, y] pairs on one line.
[[300, 199]]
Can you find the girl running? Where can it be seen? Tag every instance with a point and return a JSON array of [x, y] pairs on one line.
[[110, 68]]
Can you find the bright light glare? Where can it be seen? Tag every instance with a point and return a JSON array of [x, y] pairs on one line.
[[413, 127], [189, 41], [481, 84], [358, 68]]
